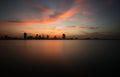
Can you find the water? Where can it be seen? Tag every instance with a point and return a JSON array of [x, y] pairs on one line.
[[60, 56]]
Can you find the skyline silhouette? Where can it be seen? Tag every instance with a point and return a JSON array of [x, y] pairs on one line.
[[63, 36]]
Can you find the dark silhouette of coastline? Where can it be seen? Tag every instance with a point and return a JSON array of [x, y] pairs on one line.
[[47, 37]]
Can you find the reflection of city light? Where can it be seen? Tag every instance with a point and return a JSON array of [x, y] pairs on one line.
[[52, 50], [45, 49]]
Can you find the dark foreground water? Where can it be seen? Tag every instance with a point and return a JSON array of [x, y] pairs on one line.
[[59, 57]]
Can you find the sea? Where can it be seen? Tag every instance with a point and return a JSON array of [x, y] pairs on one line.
[[60, 57]]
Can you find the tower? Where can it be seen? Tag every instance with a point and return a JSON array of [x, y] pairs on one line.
[[25, 35], [64, 36]]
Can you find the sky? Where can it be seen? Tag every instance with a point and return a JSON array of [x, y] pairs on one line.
[[75, 18]]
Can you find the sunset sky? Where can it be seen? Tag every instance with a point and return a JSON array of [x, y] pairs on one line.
[[78, 18]]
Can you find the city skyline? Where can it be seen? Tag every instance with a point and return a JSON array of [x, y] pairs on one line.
[[26, 36], [75, 18]]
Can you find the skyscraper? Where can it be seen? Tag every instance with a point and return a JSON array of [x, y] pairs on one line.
[[63, 36], [47, 36], [37, 36], [25, 35], [43, 36]]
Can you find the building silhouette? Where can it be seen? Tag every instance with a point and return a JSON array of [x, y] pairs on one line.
[[25, 35], [47, 36], [30, 37], [55, 37], [43, 36], [63, 36], [37, 36], [6, 37]]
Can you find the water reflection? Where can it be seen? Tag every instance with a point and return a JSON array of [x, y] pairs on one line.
[[45, 49], [81, 55], [50, 50], [55, 49], [36, 51]]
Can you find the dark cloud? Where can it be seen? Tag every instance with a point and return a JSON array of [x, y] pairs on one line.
[[82, 27]]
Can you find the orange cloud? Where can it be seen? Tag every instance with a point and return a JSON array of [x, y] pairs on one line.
[[52, 28], [67, 13], [50, 19], [29, 22]]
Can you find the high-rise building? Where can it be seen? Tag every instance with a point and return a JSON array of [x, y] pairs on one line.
[[25, 35], [55, 37], [47, 36], [37, 36], [63, 36], [43, 36], [6, 37]]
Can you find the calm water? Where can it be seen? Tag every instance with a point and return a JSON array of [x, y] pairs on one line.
[[60, 56]]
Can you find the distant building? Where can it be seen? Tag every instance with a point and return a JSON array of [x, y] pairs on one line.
[[1, 37], [47, 36], [25, 35], [63, 36], [55, 37], [76, 38], [37, 36], [30, 37], [6, 37], [43, 36], [88, 38]]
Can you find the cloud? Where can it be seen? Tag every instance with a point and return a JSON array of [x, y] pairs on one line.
[[43, 29], [87, 27], [86, 12], [43, 8], [45, 21], [71, 27], [50, 18], [88, 19], [74, 19], [81, 27], [62, 4]]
